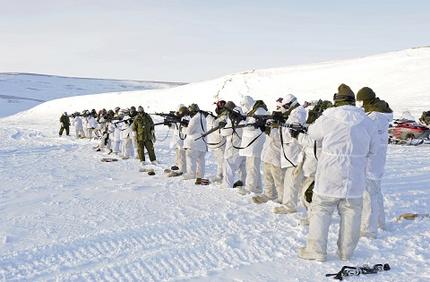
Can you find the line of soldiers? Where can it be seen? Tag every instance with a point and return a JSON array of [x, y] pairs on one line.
[[122, 132], [326, 156]]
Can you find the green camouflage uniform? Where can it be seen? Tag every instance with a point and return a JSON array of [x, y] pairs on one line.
[[65, 124], [144, 128]]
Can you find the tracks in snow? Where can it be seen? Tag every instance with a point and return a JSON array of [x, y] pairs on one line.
[[150, 254]]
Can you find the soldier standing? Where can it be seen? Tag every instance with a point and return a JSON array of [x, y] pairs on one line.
[[65, 124], [144, 128]]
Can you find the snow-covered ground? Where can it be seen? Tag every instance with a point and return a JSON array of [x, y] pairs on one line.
[[22, 91], [67, 216]]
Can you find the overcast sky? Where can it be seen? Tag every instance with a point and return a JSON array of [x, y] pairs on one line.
[[191, 40]]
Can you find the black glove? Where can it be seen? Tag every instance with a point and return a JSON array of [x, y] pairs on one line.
[[184, 122], [222, 124], [294, 132], [261, 124], [278, 117]]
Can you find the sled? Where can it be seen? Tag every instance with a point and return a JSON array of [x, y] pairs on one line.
[[404, 130]]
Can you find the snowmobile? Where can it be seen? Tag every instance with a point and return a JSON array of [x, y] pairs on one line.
[[408, 132]]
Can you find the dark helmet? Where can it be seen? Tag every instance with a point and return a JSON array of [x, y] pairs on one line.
[[220, 107], [344, 96], [365, 94], [183, 111], [230, 105], [140, 109]]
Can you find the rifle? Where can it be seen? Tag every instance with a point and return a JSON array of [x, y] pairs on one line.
[[169, 120], [298, 128], [122, 120], [207, 113], [235, 116], [221, 124], [171, 114]]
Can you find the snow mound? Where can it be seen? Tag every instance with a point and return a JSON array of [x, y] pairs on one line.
[[22, 91]]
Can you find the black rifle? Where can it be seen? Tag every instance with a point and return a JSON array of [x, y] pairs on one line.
[[169, 120], [207, 113], [221, 125], [171, 114], [122, 120]]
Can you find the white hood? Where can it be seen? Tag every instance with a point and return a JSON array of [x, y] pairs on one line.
[[346, 114]]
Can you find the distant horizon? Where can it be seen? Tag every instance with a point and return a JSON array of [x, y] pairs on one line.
[[187, 82], [193, 40]]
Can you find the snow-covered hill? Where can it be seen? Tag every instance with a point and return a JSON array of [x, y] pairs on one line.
[[66, 216], [21, 91], [401, 78]]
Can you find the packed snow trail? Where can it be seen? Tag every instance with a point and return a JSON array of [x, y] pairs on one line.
[[68, 216]]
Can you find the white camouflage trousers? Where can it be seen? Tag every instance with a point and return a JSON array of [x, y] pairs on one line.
[[273, 181], [116, 146], [234, 170], [89, 133], [79, 131], [126, 147], [322, 208], [134, 141], [293, 183], [219, 159], [181, 160], [373, 215], [195, 163], [253, 181]]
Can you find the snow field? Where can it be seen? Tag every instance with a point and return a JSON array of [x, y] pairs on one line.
[[67, 216], [75, 218]]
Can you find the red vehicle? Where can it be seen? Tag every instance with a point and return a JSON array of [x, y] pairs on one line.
[[407, 130]]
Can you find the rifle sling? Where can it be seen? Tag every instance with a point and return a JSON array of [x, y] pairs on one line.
[[283, 151], [250, 143]]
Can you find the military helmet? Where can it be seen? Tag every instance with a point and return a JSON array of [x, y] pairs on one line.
[[230, 105], [288, 101], [344, 96], [365, 94], [183, 111], [140, 109], [193, 108]]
